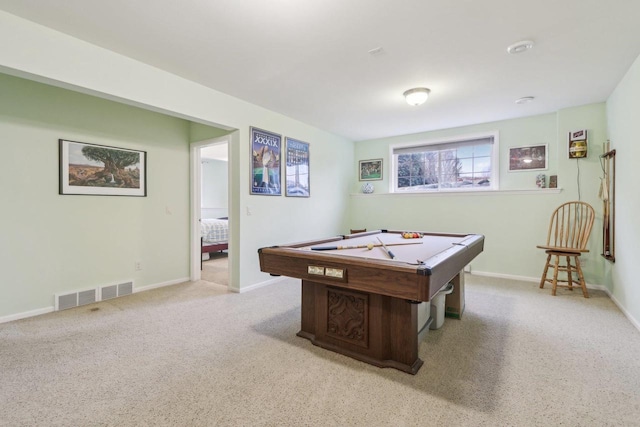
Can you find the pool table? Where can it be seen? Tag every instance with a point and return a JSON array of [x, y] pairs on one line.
[[361, 299]]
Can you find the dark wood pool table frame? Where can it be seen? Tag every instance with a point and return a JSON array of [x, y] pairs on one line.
[[370, 312]]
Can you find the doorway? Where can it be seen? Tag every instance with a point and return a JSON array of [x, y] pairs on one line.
[[210, 211]]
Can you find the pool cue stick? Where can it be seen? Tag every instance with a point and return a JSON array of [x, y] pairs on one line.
[[402, 244], [391, 255], [334, 248]]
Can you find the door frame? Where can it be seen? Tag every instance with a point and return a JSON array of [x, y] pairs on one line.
[[196, 201]]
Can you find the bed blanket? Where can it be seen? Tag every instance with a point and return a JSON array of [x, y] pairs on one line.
[[215, 230]]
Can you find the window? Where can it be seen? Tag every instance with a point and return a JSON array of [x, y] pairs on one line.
[[465, 163]]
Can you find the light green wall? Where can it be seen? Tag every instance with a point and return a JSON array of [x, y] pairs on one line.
[[623, 111], [593, 118], [42, 54], [513, 221], [55, 243], [512, 133], [200, 132]]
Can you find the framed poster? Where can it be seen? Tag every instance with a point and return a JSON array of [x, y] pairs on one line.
[[528, 158], [91, 169], [297, 168], [370, 170], [265, 162]]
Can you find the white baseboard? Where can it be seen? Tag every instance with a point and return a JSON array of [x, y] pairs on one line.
[[526, 278], [160, 285], [260, 284], [624, 311], [46, 310], [24, 315], [503, 276]]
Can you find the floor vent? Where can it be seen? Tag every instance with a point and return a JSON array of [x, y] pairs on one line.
[[109, 292], [125, 289], [118, 290], [66, 301], [75, 299], [89, 296]]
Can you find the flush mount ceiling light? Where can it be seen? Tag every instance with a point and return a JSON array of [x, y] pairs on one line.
[[525, 100], [520, 47], [416, 96]]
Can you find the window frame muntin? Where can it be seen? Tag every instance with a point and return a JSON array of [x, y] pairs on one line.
[[495, 162]]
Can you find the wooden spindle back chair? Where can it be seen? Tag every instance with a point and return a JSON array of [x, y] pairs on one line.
[[568, 235]]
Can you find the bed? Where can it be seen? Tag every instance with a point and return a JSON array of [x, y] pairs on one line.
[[214, 235]]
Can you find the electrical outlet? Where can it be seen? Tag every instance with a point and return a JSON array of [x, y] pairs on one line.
[[249, 213], [138, 265]]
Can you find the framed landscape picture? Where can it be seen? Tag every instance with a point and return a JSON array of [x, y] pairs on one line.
[[265, 162], [370, 170], [91, 169], [297, 168], [528, 158]]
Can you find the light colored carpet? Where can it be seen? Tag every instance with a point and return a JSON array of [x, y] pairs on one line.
[[216, 269], [196, 355]]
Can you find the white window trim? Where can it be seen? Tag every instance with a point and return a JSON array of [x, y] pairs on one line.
[[495, 162]]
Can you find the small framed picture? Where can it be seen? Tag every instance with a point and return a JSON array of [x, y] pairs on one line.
[[91, 169], [297, 168], [371, 170], [528, 158]]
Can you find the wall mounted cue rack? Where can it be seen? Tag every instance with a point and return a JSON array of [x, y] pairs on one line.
[[608, 195]]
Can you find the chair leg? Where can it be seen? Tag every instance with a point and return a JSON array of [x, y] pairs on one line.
[[569, 274], [555, 276], [544, 275], [583, 285]]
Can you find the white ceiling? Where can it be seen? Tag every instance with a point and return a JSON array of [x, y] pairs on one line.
[[309, 59]]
